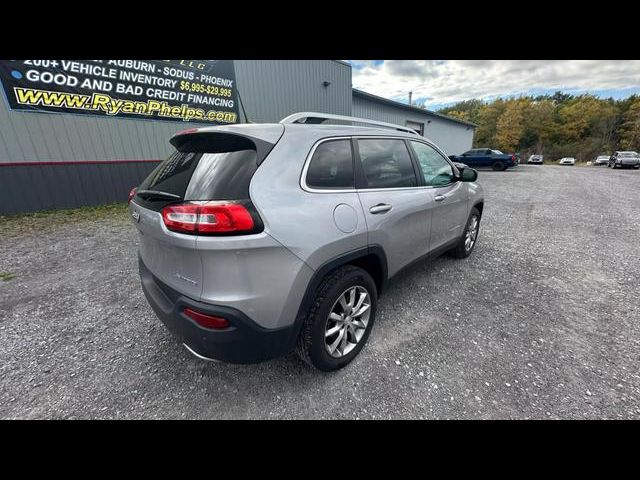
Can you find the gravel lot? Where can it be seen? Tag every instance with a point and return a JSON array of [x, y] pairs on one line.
[[542, 321]]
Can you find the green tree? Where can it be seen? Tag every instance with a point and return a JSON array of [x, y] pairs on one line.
[[460, 115], [555, 125], [510, 126], [630, 127], [487, 121], [539, 125]]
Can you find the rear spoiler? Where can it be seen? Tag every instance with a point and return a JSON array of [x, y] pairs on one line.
[[207, 141]]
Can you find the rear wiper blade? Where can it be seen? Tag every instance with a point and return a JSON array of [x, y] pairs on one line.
[[157, 194]]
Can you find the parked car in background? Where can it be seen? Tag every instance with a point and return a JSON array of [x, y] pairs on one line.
[[624, 159], [486, 157], [601, 160], [567, 161], [536, 159], [258, 239]]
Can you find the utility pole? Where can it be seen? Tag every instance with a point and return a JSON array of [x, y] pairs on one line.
[[410, 96]]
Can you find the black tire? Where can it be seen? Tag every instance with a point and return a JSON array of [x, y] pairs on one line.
[[498, 166], [460, 251], [311, 341]]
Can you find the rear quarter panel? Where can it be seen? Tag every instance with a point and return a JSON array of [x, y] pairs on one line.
[[303, 221]]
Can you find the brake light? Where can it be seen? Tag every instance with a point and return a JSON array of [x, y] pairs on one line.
[[206, 320], [132, 193], [187, 131], [513, 157], [208, 218]]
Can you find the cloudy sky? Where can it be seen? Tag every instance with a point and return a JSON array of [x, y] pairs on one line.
[[440, 83]]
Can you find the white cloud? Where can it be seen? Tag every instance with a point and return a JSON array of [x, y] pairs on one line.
[[443, 82]]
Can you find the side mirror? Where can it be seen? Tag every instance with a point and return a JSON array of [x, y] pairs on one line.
[[469, 175]]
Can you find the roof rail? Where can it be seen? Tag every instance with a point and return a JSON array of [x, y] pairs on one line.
[[297, 117]]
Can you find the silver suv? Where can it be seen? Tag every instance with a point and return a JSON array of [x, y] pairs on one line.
[[260, 239]]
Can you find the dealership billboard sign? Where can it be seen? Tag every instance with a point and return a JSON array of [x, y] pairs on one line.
[[182, 90]]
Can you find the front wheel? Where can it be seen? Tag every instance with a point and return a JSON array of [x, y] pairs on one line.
[[498, 166], [340, 319], [469, 237]]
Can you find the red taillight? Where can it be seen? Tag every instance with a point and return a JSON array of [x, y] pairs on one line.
[[181, 218], [132, 194], [206, 320], [208, 218], [513, 157]]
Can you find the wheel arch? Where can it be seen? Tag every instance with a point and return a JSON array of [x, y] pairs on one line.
[[372, 259], [480, 206]]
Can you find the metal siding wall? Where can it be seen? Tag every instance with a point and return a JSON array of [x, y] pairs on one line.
[[451, 137], [273, 89], [54, 137], [270, 91], [29, 188]]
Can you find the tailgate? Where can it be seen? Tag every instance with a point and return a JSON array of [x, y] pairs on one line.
[[170, 256]]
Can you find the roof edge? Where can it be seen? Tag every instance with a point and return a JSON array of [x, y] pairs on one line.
[[376, 98]]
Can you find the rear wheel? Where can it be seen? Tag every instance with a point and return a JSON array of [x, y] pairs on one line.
[[469, 237], [498, 166], [340, 319]]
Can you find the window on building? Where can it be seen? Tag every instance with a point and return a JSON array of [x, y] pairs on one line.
[[418, 127]]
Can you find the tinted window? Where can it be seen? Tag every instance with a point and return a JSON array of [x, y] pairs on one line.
[[386, 163], [222, 176], [436, 170], [331, 165], [196, 175], [173, 174]]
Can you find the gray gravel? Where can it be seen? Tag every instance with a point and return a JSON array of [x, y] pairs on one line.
[[542, 321]]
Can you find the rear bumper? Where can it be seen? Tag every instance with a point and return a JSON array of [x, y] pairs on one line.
[[243, 342]]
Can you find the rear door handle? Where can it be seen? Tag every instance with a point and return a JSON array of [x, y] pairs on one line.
[[380, 208], [439, 198]]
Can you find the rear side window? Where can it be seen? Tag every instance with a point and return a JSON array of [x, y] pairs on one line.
[[214, 168], [386, 163], [331, 166]]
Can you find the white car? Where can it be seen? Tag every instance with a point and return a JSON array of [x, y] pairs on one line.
[[536, 159], [601, 160], [567, 161]]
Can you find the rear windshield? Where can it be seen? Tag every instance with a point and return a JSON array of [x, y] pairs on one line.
[[201, 170], [627, 154]]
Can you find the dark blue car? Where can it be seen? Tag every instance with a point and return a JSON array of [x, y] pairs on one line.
[[486, 157]]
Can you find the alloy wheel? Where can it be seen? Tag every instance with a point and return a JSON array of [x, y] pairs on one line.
[[347, 321], [472, 234]]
